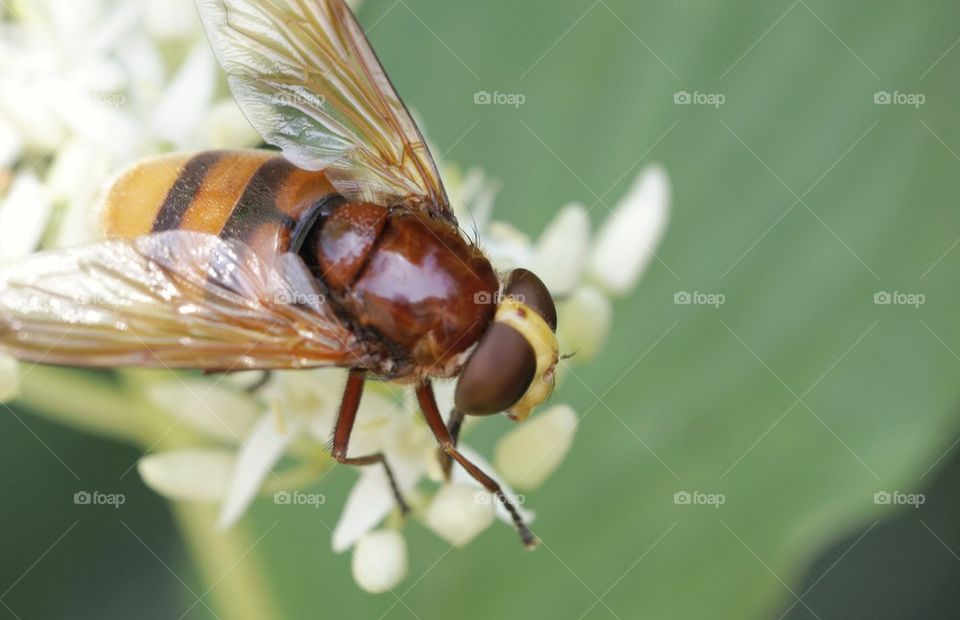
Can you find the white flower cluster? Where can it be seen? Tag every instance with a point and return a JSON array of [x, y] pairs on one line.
[[89, 86]]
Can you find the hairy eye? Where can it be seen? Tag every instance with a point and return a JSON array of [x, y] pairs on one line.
[[497, 374]]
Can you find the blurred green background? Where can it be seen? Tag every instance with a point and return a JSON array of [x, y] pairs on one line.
[[799, 199]]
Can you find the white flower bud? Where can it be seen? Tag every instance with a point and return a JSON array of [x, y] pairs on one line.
[[380, 561], [460, 512], [584, 323], [562, 250], [9, 379], [527, 455], [629, 237], [190, 475]]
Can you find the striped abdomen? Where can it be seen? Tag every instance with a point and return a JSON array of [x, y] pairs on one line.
[[255, 196]]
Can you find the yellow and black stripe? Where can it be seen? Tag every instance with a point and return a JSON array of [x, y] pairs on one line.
[[257, 197]]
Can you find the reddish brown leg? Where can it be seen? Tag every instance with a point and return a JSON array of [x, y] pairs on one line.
[[428, 404], [454, 425], [341, 435]]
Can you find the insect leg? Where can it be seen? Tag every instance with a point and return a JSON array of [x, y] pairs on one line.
[[454, 423], [262, 381], [428, 404], [349, 406]]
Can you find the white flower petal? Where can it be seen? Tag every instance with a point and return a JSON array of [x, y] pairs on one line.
[[562, 250], [460, 512], [369, 502], [171, 19], [527, 455], [377, 424], [306, 393], [76, 177], [29, 110], [211, 408], [371, 499], [380, 561], [11, 144], [225, 127], [9, 379], [630, 236], [584, 323], [260, 452], [186, 99], [506, 247], [189, 475], [71, 170], [144, 67], [460, 475], [23, 217]]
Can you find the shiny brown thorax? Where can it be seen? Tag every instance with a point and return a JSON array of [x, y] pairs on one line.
[[407, 279]]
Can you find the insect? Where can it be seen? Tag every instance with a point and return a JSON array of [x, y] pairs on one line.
[[340, 249]]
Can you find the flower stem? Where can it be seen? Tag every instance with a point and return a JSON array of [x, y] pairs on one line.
[[228, 563]]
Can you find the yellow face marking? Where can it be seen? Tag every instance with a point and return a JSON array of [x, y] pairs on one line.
[[546, 349]]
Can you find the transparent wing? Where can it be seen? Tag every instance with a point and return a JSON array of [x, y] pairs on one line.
[[174, 299], [306, 77]]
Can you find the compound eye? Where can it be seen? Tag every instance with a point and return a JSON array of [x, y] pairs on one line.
[[498, 373], [526, 288]]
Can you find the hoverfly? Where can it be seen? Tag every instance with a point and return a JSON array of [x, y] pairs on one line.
[[339, 250]]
